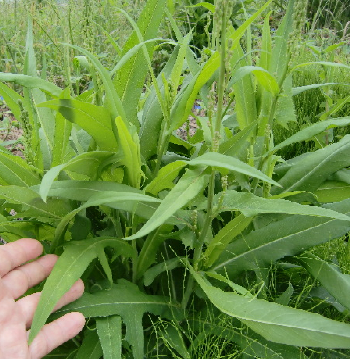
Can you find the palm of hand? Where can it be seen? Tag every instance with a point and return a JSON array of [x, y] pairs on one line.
[[16, 316]]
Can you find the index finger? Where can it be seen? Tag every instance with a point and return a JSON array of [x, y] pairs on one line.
[[16, 253]]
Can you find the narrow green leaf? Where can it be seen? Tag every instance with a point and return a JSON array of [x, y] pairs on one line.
[[184, 101], [112, 103], [190, 184], [95, 120], [264, 78], [280, 53], [330, 276], [165, 177], [133, 51], [251, 205], [126, 300], [278, 323], [130, 146], [244, 91], [285, 111], [109, 330], [33, 204], [333, 191], [109, 199], [315, 167], [61, 152], [129, 80], [265, 56], [298, 90], [322, 63], [88, 163], [14, 170], [237, 35], [91, 347], [286, 237], [226, 235], [205, 4], [31, 83], [159, 268], [152, 115], [251, 344], [150, 248], [15, 229], [68, 269], [84, 190], [218, 160], [232, 147], [310, 131], [11, 98], [173, 337]]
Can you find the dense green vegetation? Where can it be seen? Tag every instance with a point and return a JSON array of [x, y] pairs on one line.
[[225, 239]]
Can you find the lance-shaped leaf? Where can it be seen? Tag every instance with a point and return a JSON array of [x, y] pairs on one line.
[[251, 205], [234, 145], [280, 52], [61, 151], [84, 190], [152, 112], [109, 199], [32, 204], [237, 35], [231, 230], [87, 163], [190, 184], [287, 237], [264, 78], [91, 347], [314, 168], [14, 170], [245, 99], [130, 79], [113, 103], [278, 323], [31, 82], [68, 269], [95, 120], [322, 63], [298, 90], [184, 101], [330, 276], [130, 146], [126, 300], [165, 177], [333, 191], [109, 330], [218, 160], [285, 111], [13, 230], [310, 131], [11, 98], [251, 344]]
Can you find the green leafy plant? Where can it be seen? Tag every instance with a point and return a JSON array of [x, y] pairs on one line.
[[179, 228]]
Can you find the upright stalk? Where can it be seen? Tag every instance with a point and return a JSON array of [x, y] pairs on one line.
[[222, 10]]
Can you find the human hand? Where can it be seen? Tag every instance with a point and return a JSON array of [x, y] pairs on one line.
[[16, 316]]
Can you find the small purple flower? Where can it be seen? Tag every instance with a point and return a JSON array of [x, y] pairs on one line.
[[197, 107]]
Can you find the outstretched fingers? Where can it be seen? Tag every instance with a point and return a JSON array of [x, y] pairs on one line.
[[28, 304], [56, 333], [19, 280], [16, 253]]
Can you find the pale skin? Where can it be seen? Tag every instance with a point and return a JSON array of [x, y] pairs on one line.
[[16, 315]]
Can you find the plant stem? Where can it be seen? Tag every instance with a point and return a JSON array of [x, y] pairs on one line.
[[221, 84], [207, 223]]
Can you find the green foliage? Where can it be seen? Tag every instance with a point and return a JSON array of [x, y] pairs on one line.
[[167, 232]]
